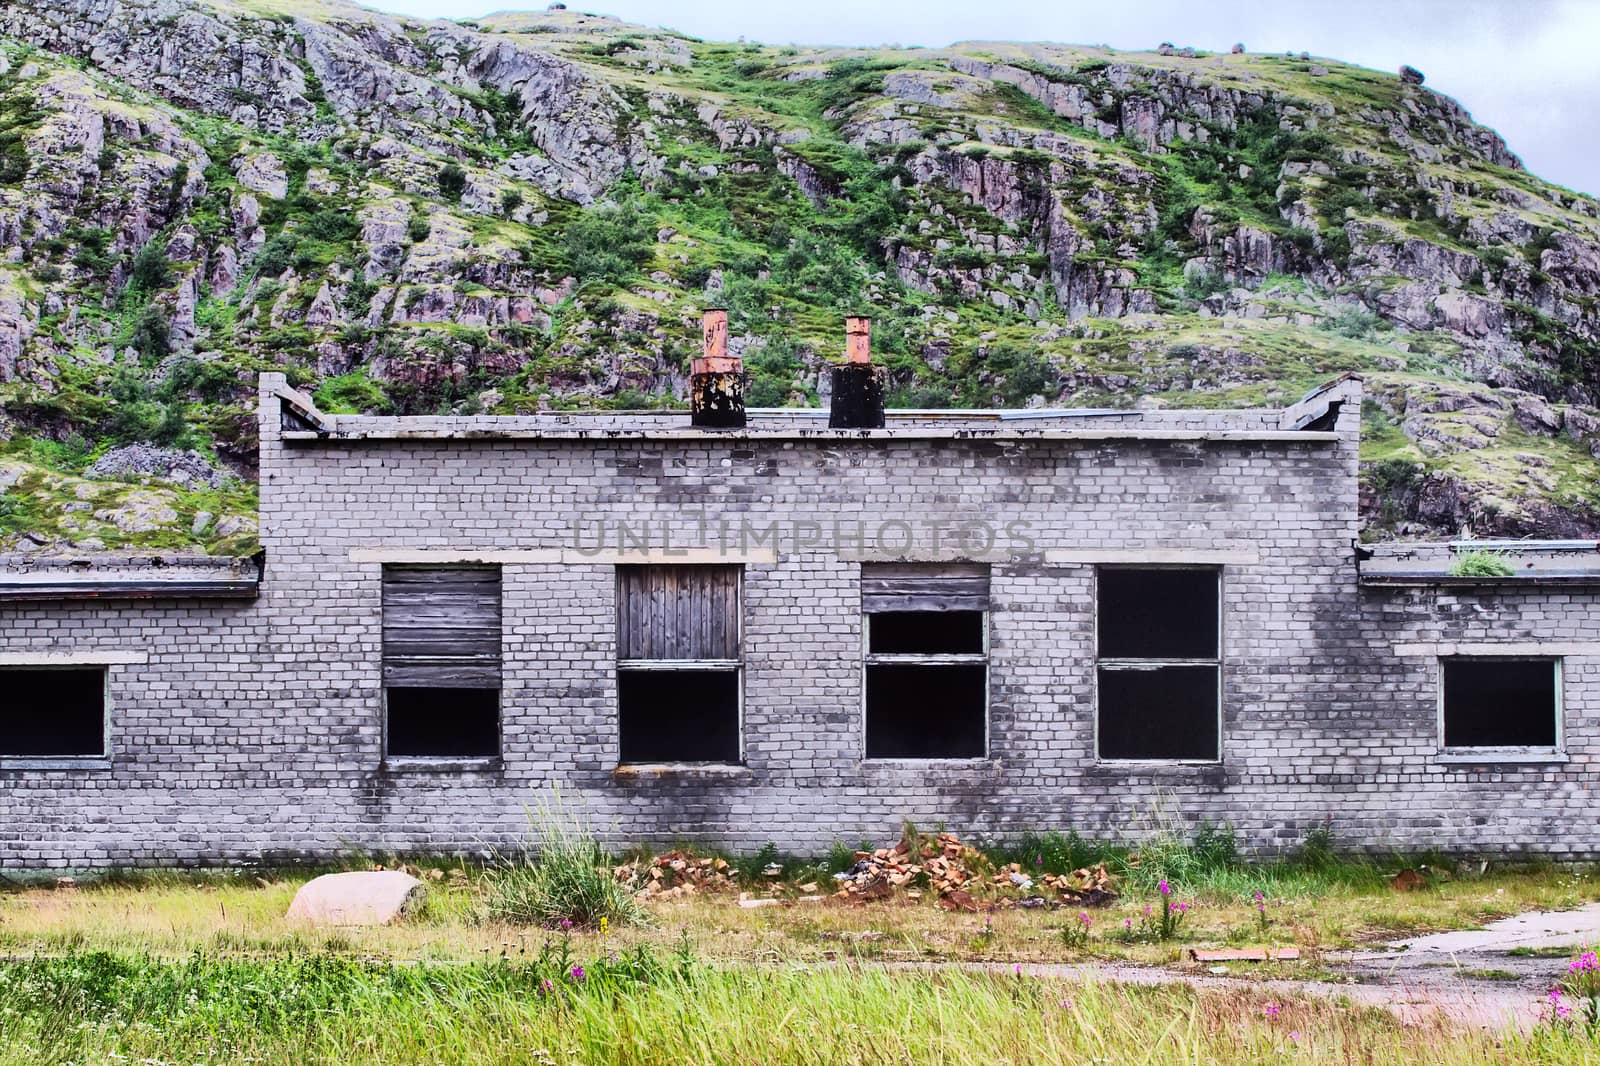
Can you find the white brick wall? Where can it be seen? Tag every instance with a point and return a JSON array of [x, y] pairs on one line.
[[254, 730]]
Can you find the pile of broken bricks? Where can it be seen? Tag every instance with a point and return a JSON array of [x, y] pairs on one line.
[[952, 871], [677, 873]]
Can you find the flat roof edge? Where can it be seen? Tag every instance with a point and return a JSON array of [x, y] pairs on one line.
[[1421, 579], [36, 592], [685, 435], [39, 578]]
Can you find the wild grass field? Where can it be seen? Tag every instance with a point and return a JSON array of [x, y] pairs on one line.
[[325, 1008], [204, 968]]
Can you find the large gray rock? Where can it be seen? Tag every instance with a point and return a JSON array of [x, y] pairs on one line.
[[374, 898]]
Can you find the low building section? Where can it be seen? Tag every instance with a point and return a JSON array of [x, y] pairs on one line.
[[785, 629]]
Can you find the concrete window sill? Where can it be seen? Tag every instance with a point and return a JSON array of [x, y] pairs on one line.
[[92, 763], [1140, 766], [1481, 758], [931, 764], [713, 772], [420, 765]]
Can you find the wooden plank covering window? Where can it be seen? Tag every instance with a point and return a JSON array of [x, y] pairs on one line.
[[677, 612], [441, 627], [889, 587]]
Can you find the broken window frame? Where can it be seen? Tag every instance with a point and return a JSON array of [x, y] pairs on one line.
[[96, 760], [734, 666], [1141, 663], [411, 761], [979, 658], [1507, 753]]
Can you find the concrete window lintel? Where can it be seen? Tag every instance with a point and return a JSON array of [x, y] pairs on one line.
[[1498, 648], [75, 657], [563, 556]]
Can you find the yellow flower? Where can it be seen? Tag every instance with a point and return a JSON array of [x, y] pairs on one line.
[[603, 923]]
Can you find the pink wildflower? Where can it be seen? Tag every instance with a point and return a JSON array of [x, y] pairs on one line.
[[1164, 888], [1083, 916], [1294, 1034], [1271, 1010], [577, 973]]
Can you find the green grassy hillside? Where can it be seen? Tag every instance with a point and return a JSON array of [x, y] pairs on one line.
[[529, 212]]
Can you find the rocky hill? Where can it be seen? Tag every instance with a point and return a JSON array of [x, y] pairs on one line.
[[529, 212]]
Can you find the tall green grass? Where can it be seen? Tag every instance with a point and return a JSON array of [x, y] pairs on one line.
[[568, 879], [1207, 862], [106, 1008]]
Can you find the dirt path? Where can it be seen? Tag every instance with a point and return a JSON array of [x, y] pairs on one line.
[[1470, 977]]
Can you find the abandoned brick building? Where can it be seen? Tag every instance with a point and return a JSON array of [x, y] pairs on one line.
[[735, 628]]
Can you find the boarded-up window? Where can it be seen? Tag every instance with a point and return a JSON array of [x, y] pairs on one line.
[[1491, 702], [678, 663], [441, 661], [927, 663], [1159, 663], [53, 713]]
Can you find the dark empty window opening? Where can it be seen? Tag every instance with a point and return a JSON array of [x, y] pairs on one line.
[[1501, 703], [927, 663], [926, 711], [1165, 713], [678, 664], [53, 713], [679, 715], [1159, 669], [1158, 614], [444, 723], [441, 662], [926, 633]]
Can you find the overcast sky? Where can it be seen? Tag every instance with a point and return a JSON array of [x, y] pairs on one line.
[[1528, 68]]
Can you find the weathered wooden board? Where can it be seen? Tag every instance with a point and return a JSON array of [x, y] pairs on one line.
[[931, 587], [677, 612], [441, 627], [1243, 954]]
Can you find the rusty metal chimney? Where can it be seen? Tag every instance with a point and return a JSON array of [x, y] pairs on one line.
[[716, 381], [857, 385]]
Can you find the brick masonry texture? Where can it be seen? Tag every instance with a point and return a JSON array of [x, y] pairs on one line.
[[254, 731]]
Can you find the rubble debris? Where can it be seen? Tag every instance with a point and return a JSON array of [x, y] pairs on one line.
[[952, 870], [958, 900], [943, 861], [1406, 881], [1087, 886], [677, 873]]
